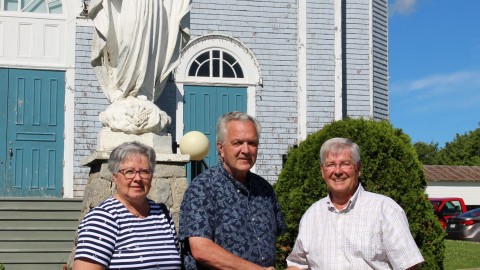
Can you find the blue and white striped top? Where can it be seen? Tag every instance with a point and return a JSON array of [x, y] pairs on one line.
[[112, 236]]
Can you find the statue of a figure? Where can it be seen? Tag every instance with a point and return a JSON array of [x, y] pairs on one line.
[[136, 45]]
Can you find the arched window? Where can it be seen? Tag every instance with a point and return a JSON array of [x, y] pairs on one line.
[[37, 6], [215, 63]]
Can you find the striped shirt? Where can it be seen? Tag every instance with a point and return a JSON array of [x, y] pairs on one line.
[[112, 236], [372, 232]]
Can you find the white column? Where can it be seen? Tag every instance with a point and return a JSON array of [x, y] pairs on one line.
[[71, 11], [370, 42], [302, 71], [338, 59]]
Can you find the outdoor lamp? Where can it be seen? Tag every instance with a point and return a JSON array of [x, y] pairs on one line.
[[195, 144]]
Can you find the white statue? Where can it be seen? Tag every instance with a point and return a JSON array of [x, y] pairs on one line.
[[136, 46]]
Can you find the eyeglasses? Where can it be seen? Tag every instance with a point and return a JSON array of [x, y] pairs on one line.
[[129, 174], [346, 165]]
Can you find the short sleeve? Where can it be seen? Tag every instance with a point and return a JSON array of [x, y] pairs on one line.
[[402, 251], [96, 237], [298, 256], [196, 212]]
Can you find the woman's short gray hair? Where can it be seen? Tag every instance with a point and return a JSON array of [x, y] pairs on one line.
[[234, 116], [336, 146], [120, 154]]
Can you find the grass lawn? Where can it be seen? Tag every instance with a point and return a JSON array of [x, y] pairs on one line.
[[461, 255]]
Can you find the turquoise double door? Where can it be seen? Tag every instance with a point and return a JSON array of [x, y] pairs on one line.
[[203, 105], [31, 127]]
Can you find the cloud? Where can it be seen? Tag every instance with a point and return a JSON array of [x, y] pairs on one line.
[[439, 83], [402, 7]]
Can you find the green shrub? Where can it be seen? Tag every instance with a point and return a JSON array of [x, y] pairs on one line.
[[390, 166]]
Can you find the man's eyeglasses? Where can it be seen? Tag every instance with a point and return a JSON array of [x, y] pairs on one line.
[[130, 173], [343, 166]]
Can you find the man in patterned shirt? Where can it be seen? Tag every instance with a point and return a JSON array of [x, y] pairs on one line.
[[352, 228], [230, 217]]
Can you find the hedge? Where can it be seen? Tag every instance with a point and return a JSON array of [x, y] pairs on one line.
[[390, 166]]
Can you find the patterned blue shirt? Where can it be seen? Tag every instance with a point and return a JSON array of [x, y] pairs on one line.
[[244, 220]]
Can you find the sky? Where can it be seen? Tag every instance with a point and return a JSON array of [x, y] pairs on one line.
[[434, 68]]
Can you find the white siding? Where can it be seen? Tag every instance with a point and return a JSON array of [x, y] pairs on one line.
[[468, 191]]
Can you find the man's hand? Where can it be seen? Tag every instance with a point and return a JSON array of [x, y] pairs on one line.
[[210, 254]]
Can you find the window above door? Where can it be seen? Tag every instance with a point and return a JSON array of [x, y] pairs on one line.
[[35, 6], [215, 63]]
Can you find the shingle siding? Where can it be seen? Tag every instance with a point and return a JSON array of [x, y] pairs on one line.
[[356, 57], [380, 59], [269, 29], [89, 102], [320, 64]]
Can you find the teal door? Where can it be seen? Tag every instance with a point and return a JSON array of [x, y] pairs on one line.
[[203, 105], [32, 147]]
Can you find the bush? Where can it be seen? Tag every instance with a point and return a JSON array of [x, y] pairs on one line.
[[390, 166]]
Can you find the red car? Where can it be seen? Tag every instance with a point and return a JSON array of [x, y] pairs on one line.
[[446, 208]]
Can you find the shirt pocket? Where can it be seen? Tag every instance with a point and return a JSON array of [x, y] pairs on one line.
[[364, 239]]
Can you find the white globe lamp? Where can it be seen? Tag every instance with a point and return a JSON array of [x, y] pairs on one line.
[[195, 144]]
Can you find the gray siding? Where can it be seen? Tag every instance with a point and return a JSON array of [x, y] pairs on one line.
[[269, 29], [89, 102], [380, 60], [356, 58], [320, 64]]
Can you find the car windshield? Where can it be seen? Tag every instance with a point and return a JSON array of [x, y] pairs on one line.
[[471, 214]]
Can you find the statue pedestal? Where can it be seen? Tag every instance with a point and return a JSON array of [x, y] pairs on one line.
[[108, 140]]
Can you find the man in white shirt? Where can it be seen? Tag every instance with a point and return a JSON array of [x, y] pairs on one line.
[[352, 228]]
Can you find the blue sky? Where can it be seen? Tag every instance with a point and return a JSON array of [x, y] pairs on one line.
[[434, 66]]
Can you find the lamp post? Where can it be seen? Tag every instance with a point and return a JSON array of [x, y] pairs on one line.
[[195, 144]]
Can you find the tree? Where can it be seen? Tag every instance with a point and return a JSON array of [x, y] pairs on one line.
[[390, 166], [463, 150], [427, 152]]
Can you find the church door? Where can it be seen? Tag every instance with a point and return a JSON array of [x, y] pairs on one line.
[[203, 105], [32, 121]]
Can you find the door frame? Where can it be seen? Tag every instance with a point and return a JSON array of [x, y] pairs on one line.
[[252, 77], [36, 95], [66, 62]]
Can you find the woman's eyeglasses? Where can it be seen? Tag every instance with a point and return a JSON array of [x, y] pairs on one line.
[[129, 174]]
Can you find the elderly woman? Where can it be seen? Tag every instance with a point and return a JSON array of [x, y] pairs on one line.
[[128, 230]]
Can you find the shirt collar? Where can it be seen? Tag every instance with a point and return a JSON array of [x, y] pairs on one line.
[[243, 188], [351, 202]]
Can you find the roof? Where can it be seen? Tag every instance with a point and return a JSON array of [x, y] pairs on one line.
[[452, 173]]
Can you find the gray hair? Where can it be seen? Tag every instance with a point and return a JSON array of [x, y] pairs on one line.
[[336, 146], [127, 149], [234, 116]]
